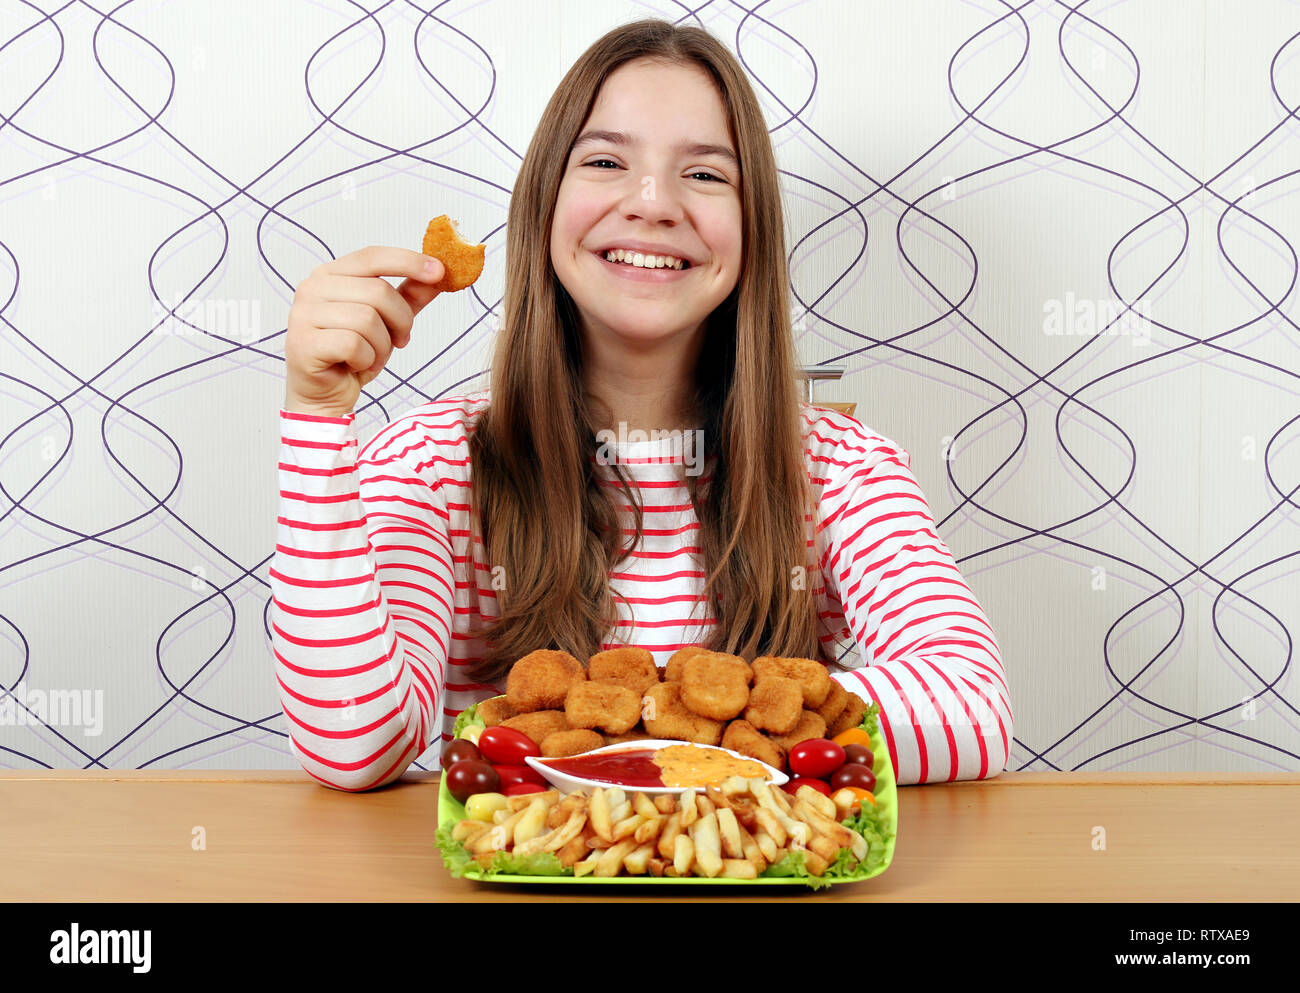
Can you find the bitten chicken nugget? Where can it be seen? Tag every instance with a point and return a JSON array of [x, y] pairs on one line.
[[775, 704], [538, 724], [495, 710], [673, 670], [743, 737], [666, 716], [714, 686], [630, 667], [834, 705], [810, 725], [850, 717], [602, 706], [542, 679], [813, 678], [560, 744], [462, 262]]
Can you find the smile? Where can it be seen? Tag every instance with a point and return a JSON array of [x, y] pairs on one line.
[[642, 274]]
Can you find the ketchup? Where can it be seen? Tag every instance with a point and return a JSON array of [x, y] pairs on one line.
[[633, 767]]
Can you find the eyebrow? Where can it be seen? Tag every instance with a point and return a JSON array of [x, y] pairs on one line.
[[592, 137]]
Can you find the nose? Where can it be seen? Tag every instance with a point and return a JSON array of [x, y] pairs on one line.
[[652, 197]]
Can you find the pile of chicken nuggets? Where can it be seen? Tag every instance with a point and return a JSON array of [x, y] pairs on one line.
[[760, 709]]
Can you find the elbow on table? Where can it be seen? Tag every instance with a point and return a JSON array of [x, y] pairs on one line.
[[997, 748], [348, 779]]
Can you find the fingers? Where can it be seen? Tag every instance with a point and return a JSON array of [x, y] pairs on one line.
[[385, 260], [392, 307], [416, 293], [335, 346], [362, 321]]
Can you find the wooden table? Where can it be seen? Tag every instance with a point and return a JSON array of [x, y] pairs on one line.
[[279, 836]]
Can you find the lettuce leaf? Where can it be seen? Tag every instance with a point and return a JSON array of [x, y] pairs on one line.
[[469, 716], [455, 856], [460, 863]]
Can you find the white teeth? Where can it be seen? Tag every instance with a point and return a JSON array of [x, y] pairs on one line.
[[644, 261]]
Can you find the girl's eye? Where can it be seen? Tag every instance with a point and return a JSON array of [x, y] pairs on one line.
[[706, 175]]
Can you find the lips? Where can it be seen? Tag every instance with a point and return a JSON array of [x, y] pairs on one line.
[[640, 247], [642, 274]]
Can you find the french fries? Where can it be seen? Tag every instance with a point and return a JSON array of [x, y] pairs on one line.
[[735, 831]]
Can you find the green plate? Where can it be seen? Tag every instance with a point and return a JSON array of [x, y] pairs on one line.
[[879, 826]]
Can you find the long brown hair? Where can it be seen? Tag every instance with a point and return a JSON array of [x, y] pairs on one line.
[[535, 493]]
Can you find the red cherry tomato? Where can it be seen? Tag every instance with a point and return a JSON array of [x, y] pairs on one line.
[[860, 754], [816, 758], [853, 774], [519, 789], [512, 775], [458, 751], [506, 746], [792, 787], [470, 776]]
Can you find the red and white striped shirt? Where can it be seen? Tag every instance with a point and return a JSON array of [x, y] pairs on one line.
[[376, 581]]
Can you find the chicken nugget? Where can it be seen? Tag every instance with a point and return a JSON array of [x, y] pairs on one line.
[[834, 705], [743, 737], [602, 706], [560, 744], [714, 686], [673, 670], [810, 725], [542, 679], [775, 704], [462, 262], [667, 717], [745, 668], [850, 717], [630, 667], [637, 685], [495, 710], [538, 724], [812, 676], [633, 735]]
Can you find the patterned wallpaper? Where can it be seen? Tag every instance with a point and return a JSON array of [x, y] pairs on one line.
[[1051, 243]]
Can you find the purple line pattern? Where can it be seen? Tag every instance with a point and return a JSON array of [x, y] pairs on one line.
[[1052, 243]]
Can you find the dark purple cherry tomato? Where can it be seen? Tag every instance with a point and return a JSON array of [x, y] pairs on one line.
[[792, 787], [458, 751], [859, 754], [470, 776], [506, 746], [853, 774], [519, 789], [512, 775], [816, 758]]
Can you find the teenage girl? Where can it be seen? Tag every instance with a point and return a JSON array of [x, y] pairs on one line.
[[646, 290]]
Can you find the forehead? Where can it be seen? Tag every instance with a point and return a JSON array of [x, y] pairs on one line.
[[661, 101]]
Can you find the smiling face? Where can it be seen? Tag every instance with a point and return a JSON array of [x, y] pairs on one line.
[[659, 186]]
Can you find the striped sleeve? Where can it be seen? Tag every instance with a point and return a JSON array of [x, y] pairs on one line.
[[361, 584], [926, 651]]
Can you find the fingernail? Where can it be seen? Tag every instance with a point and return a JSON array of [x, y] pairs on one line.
[[431, 266]]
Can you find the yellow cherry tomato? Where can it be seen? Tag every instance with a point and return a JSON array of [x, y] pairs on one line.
[[472, 733], [853, 736], [482, 806], [862, 794]]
